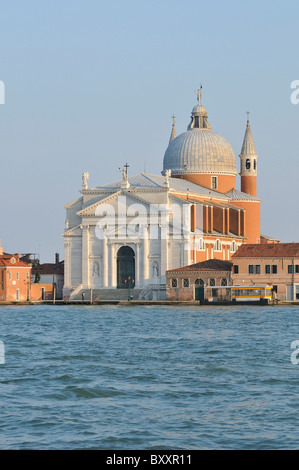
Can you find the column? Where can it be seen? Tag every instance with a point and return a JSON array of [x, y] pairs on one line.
[[137, 262], [105, 263], [212, 219], [112, 265], [85, 256], [239, 222], [164, 249], [67, 262], [145, 273]]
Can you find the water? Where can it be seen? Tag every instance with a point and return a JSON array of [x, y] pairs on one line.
[[182, 378]]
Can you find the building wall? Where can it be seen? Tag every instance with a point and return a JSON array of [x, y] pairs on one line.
[[36, 291], [248, 184], [57, 279], [252, 220], [14, 283], [225, 182], [282, 279], [181, 293]]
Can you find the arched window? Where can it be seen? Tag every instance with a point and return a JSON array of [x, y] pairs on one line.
[[233, 247], [248, 164], [218, 246], [254, 164], [201, 244], [199, 283], [224, 282]]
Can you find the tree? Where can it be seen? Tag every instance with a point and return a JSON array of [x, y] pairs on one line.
[[37, 277]]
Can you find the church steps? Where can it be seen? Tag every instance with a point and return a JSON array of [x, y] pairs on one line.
[[107, 294]]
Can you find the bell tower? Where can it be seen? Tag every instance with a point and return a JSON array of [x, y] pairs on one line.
[[248, 160]]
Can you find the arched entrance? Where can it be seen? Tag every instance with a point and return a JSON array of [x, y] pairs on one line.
[[125, 268]]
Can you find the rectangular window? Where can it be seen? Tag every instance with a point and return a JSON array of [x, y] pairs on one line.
[[186, 283], [267, 269], [258, 269], [214, 182], [290, 269], [9, 276], [18, 276], [297, 268], [274, 268], [250, 269], [236, 269], [18, 295], [174, 282]]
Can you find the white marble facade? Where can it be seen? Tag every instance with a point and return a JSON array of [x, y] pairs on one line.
[[141, 217]]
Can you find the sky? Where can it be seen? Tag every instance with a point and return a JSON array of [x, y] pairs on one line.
[[92, 85]]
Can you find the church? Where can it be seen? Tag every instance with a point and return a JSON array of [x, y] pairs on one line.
[[126, 234]]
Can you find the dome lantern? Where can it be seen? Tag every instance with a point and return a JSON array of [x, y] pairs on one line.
[[201, 155]]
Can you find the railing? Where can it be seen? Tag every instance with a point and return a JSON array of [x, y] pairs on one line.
[[151, 287], [76, 291]]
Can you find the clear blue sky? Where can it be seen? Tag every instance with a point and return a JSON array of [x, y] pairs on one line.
[[91, 85]]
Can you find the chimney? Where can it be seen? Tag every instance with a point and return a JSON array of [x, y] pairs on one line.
[[57, 258]]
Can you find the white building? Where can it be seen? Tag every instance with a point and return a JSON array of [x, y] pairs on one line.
[[138, 239]]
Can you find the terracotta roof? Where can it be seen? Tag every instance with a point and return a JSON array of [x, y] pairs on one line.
[[209, 265], [6, 260], [268, 250], [49, 268]]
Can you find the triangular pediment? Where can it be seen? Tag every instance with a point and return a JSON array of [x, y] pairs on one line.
[[75, 231], [122, 202], [90, 210]]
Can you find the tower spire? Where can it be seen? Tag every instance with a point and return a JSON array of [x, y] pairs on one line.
[[248, 160], [173, 131], [248, 147]]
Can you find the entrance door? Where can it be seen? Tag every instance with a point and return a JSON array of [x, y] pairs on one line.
[[199, 293], [199, 289], [125, 268]]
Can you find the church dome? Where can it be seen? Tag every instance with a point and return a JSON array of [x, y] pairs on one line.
[[199, 150]]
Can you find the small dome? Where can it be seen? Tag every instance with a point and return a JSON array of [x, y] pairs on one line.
[[199, 109], [199, 151]]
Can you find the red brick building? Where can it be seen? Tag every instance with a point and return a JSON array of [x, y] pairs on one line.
[[188, 283], [16, 284], [15, 278]]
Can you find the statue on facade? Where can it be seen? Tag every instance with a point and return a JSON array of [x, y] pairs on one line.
[[155, 270], [85, 178]]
